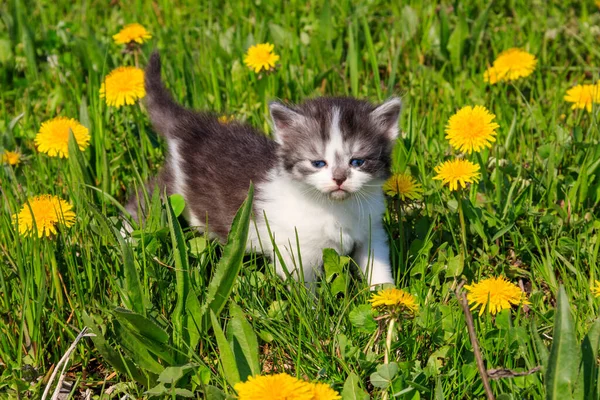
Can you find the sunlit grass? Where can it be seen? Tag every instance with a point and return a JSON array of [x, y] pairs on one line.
[[530, 217]]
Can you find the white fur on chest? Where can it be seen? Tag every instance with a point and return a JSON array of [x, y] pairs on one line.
[[301, 219]]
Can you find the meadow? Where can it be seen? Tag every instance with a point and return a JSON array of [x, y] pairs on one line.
[[172, 314]]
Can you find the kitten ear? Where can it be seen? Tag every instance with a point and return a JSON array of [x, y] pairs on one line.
[[386, 117], [284, 119]]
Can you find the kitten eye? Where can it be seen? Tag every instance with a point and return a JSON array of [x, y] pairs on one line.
[[357, 162], [318, 163]]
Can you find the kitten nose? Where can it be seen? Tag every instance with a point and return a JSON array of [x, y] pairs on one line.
[[339, 181]]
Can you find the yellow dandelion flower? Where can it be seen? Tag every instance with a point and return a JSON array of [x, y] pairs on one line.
[[124, 85], [403, 186], [457, 171], [471, 129], [583, 96], [596, 289], [495, 293], [132, 33], [394, 298], [11, 157], [225, 119], [274, 387], [510, 65], [322, 391], [43, 212], [261, 56], [53, 137]]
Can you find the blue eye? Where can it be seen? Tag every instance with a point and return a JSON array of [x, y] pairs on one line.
[[318, 163], [357, 162]]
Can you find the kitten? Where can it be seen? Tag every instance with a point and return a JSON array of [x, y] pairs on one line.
[[318, 184]]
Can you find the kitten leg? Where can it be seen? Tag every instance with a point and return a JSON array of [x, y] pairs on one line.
[[376, 265], [297, 267]]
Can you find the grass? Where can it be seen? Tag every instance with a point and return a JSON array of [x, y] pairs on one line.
[[531, 218]]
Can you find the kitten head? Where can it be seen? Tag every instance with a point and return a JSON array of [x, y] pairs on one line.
[[338, 146]]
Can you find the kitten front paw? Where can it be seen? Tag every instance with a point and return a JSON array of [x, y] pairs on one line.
[[380, 274]]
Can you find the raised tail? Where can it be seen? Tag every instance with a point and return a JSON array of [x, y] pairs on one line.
[[164, 111]]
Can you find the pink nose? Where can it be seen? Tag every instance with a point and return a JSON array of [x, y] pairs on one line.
[[339, 181]]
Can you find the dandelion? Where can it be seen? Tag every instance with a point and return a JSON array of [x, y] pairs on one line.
[[403, 186], [596, 289], [457, 171], [43, 212], [471, 129], [396, 299], [11, 157], [53, 137], [510, 65], [124, 85], [583, 96], [261, 56], [274, 387], [495, 293], [322, 391], [132, 33], [225, 119]]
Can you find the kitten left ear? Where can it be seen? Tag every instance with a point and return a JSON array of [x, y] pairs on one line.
[[284, 119], [386, 117]]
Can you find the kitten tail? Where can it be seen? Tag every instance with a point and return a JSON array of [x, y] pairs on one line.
[[164, 111]]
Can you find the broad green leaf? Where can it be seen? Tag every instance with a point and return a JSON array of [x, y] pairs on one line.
[[225, 353], [455, 266], [158, 390], [361, 318], [333, 263], [142, 325], [456, 42], [479, 25], [214, 393], [177, 203], [230, 263], [243, 342], [171, 375], [137, 350], [384, 375], [338, 285], [563, 362], [197, 245], [589, 354], [121, 364], [352, 390], [194, 320]]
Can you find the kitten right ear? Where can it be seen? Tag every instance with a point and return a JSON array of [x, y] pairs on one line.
[[284, 119]]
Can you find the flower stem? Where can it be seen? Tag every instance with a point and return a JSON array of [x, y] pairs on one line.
[[388, 341], [463, 226], [401, 232], [388, 348]]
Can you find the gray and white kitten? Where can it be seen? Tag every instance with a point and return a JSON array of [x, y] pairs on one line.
[[318, 184]]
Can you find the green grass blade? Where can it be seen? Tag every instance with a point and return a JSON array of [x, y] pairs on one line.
[[244, 343], [225, 353], [563, 362], [182, 278], [230, 264]]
